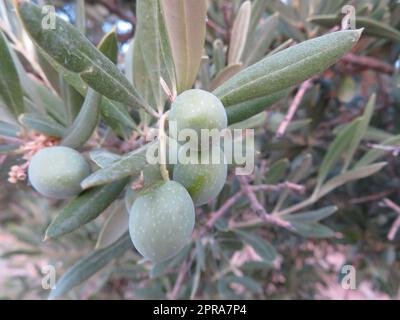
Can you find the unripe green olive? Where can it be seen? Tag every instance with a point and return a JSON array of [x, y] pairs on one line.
[[57, 172], [204, 181], [198, 109], [161, 220]]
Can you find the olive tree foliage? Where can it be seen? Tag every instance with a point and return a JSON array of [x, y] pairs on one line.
[[249, 56]]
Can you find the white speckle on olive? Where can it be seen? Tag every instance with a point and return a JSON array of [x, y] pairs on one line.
[[57, 172]]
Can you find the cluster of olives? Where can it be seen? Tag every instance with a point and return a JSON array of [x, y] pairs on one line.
[[162, 217]]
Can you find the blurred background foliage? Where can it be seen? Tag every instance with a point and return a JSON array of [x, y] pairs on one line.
[[223, 266]]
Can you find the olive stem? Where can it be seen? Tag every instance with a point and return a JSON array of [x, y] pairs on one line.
[[162, 150]]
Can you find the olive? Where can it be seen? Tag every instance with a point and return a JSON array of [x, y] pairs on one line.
[[57, 172], [161, 220], [204, 180], [197, 109]]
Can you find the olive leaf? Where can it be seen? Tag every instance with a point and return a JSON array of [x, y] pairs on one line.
[[42, 123], [244, 110], [336, 150], [84, 208], [8, 129], [185, 21], [374, 154], [263, 248], [129, 164], [252, 122], [287, 67], [114, 114], [114, 227], [66, 45], [89, 265], [354, 174], [152, 57], [86, 121], [225, 74], [239, 33], [10, 87], [359, 132], [219, 57], [103, 158], [277, 171], [72, 101], [313, 216], [261, 41], [299, 171], [372, 27], [313, 230]]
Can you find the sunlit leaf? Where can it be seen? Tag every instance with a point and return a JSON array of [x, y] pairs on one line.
[[287, 67], [186, 25]]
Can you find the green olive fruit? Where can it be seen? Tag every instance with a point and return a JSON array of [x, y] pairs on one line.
[[57, 172], [197, 109], [204, 180], [161, 220]]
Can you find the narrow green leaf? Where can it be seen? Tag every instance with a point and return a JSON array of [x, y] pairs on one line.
[[42, 124], [252, 122], [8, 129], [260, 43], [354, 174], [114, 114], [258, 8], [108, 45], [244, 110], [374, 154], [66, 45], [372, 27], [277, 171], [10, 87], [314, 230], [114, 227], [287, 67], [80, 14], [219, 57], [239, 33], [311, 216], [72, 100], [8, 148], [129, 164], [360, 132], [336, 150], [299, 171], [152, 54], [225, 74], [185, 21], [85, 123], [103, 158], [89, 265], [84, 208], [263, 248]]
